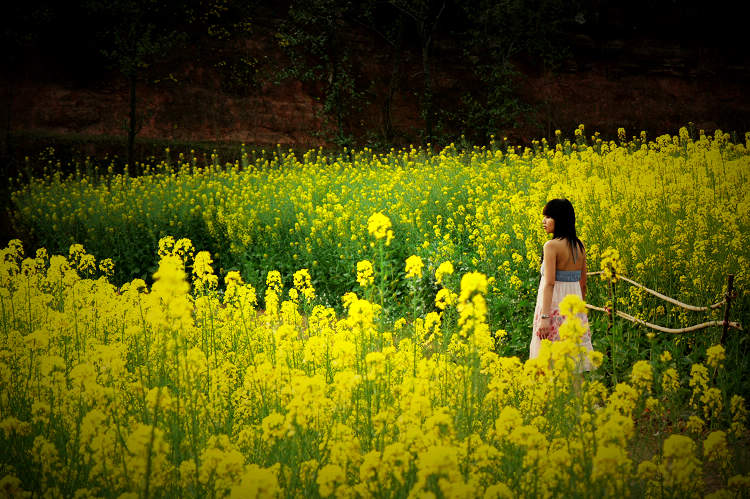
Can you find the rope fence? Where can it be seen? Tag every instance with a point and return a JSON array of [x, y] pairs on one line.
[[665, 297], [613, 312]]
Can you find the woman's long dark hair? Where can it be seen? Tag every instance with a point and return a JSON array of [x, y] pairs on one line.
[[561, 211]]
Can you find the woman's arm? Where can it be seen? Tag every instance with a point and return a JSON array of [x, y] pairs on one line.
[[584, 278], [548, 286]]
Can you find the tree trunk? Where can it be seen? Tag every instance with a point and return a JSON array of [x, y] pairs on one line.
[[339, 103], [7, 168], [132, 127], [388, 132], [7, 149], [427, 31], [427, 95], [335, 96]]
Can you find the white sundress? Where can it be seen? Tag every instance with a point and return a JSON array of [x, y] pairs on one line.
[[567, 282]]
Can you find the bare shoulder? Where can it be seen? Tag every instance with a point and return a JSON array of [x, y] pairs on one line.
[[552, 250], [554, 245]]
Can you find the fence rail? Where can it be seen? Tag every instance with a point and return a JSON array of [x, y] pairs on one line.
[[726, 302], [665, 297]]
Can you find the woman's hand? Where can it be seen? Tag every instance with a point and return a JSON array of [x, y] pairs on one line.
[[545, 329]]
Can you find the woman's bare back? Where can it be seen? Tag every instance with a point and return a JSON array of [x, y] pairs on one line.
[[564, 255]]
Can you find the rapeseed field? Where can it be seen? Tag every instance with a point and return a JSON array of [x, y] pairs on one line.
[[357, 326]]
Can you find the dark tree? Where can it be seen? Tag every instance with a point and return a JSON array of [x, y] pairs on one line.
[[426, 15], [20, 32], [498, 34], [388, 24], [313, 36], [135, 34]]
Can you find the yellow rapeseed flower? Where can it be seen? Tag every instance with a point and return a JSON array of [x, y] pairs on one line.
[[715, 356], [414, 267], [445, 268], [378, 225], [365, 274]]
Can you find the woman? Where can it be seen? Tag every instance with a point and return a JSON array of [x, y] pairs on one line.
[[563, 273]]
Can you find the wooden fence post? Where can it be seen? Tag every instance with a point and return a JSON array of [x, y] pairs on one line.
[[612, 298], [612, 312], [728, 298]]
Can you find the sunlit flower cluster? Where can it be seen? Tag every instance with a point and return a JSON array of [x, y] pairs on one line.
[[365, 276], [180, 389]]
